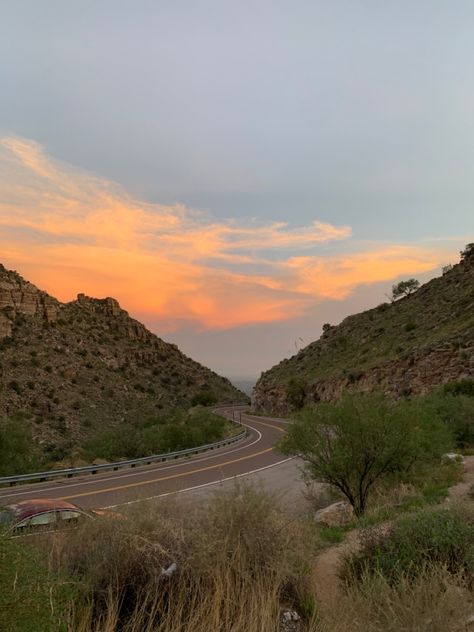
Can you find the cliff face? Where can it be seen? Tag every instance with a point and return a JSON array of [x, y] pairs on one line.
[[407, 347], [17, 296], [69, 368]]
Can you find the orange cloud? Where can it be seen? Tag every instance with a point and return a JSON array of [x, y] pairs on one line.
[[69, 231]]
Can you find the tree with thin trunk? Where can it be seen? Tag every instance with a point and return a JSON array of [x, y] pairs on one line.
[[363, 439], [404, 288]]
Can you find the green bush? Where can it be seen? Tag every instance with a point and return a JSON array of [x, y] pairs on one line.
[[175, 431], [18, 452], [207, 398], [296, 393], [364, 439], [442, 537], [460, 387], [456, 409]]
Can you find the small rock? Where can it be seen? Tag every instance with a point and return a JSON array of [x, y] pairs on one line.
[[453, 456], [335, 515], [290, 621], [290, 615]]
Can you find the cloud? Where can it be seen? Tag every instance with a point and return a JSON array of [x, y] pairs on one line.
[[70, 231]]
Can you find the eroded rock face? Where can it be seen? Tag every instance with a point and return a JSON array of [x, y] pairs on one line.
[[110, 308], [19, 297], [416, 375]]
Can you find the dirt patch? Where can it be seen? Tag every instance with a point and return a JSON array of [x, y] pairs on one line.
[[326, 582], [461, 489]]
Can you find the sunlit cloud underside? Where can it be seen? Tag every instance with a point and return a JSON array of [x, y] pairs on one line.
[[69, 232]]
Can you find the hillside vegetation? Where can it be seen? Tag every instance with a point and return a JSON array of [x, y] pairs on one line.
[[405, 347], [69, 371]]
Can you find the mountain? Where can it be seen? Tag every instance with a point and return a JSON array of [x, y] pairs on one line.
[[69, 369], [408, 346]]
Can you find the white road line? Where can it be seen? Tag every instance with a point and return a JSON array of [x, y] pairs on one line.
[[63, 484], [190, 489]]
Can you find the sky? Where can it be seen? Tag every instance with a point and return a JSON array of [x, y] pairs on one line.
[[236, 174]]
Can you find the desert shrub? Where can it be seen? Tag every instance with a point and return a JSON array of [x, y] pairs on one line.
[[122, 442], [456, 408], [467, 252], [206, 398], [405, 288], [460, 387], [296, 393], [363, 439], [442, 537], [19, 454], [176, 430], [14, 385], [237, 558]]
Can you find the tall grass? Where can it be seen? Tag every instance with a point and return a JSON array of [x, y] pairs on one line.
[[239, 558], [436, 601], [442, 537]]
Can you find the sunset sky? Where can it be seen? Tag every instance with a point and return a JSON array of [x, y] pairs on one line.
[[236, 174]]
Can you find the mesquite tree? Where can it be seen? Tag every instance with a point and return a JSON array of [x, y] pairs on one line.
[[358, 441], [405, 288]]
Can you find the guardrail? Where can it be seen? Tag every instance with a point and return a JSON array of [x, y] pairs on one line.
[[145, 460]]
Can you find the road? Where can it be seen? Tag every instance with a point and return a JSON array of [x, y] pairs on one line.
[[256, 453]]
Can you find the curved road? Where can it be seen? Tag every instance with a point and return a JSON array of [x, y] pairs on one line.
[[109, 489]]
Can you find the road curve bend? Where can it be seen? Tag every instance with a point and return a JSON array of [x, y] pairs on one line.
[[112, 489]]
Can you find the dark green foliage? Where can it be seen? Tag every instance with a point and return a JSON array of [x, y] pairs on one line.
[[296, 392], [461, 387], [405, 288], [206, 398], [363, 439], [18, 452], [457, 412], [13, 384], [467, 252], [175, 431], [442, 537]]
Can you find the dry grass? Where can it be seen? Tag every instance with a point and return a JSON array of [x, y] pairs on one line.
[[239, 559], [435, 602]]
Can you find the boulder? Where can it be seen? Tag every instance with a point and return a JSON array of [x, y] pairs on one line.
[[335, 515]]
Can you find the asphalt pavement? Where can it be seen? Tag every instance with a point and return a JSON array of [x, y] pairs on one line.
[[254, 455]]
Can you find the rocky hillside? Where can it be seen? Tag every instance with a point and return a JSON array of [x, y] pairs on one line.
[[409, 346], [68, 369]]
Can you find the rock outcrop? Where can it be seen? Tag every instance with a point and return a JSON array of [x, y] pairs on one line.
[[18, 297], [336, 515]]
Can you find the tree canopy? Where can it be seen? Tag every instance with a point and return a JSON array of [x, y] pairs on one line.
[[404, 288], [363, 438]]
